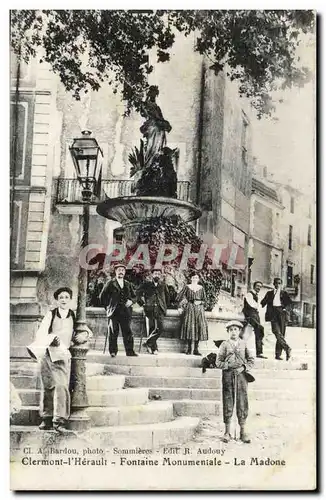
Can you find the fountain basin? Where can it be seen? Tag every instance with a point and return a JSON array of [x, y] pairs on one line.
[[134, 210]]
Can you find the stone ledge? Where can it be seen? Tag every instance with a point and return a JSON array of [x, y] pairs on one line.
[[170, 313]]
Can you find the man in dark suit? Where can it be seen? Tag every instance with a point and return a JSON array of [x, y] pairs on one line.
[[250, 311], [118, 296], [277, 301], [154, 297]]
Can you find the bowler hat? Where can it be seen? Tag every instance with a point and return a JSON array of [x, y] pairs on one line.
[[119, 264], [234, 322]]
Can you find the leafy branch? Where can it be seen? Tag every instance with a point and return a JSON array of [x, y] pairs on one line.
[[89, 48]]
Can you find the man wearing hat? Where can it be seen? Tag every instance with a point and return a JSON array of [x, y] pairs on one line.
[[154, 297], [118, 296], [236, 361], [277, 301], [251, 313]]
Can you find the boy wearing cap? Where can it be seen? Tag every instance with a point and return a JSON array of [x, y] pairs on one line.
[[118, 296], [51, 348], [235, 360]]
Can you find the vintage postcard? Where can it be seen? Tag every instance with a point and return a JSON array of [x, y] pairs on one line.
[[163, 250]]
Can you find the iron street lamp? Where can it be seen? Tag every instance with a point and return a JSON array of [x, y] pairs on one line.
[[87, 158]]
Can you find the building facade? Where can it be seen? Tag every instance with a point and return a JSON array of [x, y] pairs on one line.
[[266, 244], [282, 242], [210, 129]]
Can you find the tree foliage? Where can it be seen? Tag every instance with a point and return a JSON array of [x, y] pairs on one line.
[[88, 48]]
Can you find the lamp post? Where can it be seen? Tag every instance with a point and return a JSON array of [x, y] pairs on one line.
[[87, 158]]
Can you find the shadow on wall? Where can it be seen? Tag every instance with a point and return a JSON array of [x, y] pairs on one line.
[[61, 270]]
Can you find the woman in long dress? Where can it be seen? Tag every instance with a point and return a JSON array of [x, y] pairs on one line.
[[194, 325]]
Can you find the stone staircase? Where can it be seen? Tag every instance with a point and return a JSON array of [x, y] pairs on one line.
[[118, 414], [280, 386], [152, 401]]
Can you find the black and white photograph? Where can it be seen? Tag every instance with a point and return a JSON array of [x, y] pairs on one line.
[[163, 261]]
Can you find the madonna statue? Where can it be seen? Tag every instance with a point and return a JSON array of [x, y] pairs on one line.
[[154, 128]]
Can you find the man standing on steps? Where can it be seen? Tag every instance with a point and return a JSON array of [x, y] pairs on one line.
[[250, 311], [118, 296], [277, 301], [154, 297]]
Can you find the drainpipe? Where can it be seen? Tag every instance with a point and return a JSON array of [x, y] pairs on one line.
[[200, 133], [13, 159]]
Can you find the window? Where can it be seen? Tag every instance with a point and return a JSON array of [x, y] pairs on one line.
[[290, 237], [292, 205], [312, 274], [309, 236], [289, 277]]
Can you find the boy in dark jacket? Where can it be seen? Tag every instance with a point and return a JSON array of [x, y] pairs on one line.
[[235, 360]]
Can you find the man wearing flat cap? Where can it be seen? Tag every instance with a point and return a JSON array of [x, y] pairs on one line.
[[118, 296]]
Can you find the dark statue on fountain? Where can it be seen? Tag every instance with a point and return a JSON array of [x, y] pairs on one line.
[[153, 164]]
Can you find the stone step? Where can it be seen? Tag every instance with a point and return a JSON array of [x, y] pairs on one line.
[[30, 368], [94, 383], [151, 412], [182, 360], [197, 408], [179, 371], [26, 381], [270, 408], [149, 436], [29, 397], [118, 397], [163, 411], [122, 397], [206, 382], [28, 415], [105, 383], [216, 394], [21, 368], [169, 345]]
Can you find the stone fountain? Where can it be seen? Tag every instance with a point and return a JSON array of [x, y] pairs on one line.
[[154, 190]]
